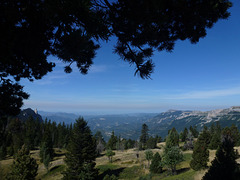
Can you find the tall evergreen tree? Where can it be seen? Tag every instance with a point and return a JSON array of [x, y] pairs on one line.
[[172, 138], [224, 165], [151, 143], [184, 135], [215, 131], [15, 128], [30, 133], [215, 141], [156, 165], [194, 131], [144, 136], [200, 154], [112, 142], [46, 148], [24, 167], [81, 153]]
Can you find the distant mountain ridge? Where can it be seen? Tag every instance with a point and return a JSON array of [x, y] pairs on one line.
[[59, 117], [129, 125], [181, 119]]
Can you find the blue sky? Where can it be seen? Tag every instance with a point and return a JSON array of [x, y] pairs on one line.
[[203, 76]]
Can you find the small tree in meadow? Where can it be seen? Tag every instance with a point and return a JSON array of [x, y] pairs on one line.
[[171, 157], [110, 155], [149, 156], [156, 165]]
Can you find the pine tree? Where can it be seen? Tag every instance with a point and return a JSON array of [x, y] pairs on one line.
[[81, 153], [194, 131], [200, 154], [46, 149], [29, 133], [172, 138], [224, 165], [144, 136], [3, 151], [171, 157], [149, 156], [215, 141], [156, 165], [184, 135], [112, 142], [110, 155], [24, 167], [15, 128], [151, 143]]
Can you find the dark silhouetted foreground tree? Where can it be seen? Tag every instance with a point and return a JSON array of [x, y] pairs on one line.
[[81, 153], [70, 30], [224, 165]]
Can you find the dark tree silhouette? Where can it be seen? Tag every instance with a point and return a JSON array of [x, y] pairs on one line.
[[70, 30], [224, 165]]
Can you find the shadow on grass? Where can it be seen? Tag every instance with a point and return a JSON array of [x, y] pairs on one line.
[[167, 173], [182, 170], [111, 172], [100, 155], [55, 167], [57, 155]]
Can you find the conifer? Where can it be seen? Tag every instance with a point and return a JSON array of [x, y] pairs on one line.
[[81, 153], [24, 167], [171, 157], [200, 154], [149, 156], [172, 138], [144, 136], [224, 165], [156, 165]]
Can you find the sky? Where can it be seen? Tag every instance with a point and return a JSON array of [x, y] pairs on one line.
[[202, 76]]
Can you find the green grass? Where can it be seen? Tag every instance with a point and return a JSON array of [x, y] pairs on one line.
[[187, 175], [131, 172], [54, 173], [106, 167]]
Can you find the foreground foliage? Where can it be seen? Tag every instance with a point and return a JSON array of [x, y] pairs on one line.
[[224, 165], [24, 167]]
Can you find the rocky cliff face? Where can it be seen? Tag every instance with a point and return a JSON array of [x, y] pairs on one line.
[[26, 113]]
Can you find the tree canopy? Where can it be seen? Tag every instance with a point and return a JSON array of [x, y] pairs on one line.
[[71, 31]]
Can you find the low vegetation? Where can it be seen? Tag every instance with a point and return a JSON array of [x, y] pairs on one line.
[[125, 159]]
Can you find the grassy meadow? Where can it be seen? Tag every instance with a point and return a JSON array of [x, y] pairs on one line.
[[125, 165]]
